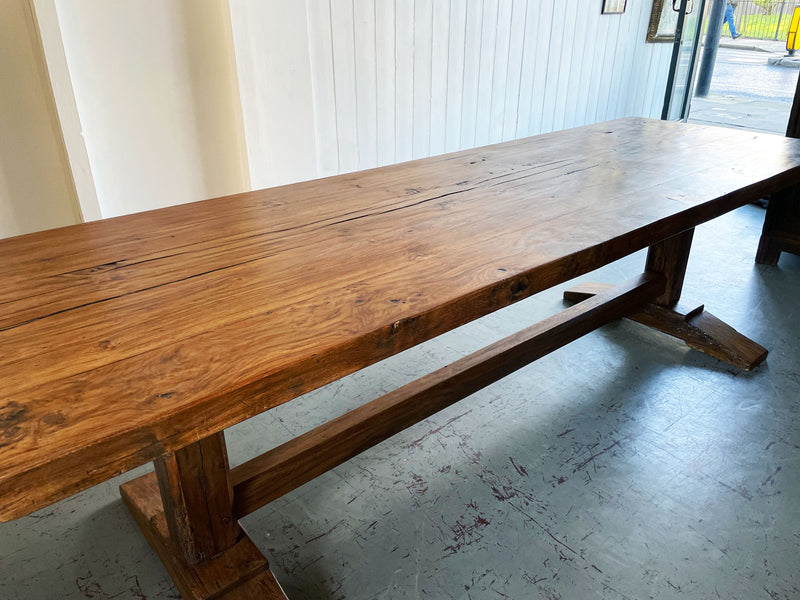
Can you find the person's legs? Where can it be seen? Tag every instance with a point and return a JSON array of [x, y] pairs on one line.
[[729, 20]]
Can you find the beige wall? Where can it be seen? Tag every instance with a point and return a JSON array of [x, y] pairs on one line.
[[157, 99], [36, 190]]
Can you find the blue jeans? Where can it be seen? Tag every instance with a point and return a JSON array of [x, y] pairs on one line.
[[729, 19]]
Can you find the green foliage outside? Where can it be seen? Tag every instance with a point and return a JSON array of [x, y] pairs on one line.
[[763, 27], [760, 27], [768, 5]]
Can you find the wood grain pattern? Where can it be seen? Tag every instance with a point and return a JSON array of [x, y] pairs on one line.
[[197, 498], [279, 471], [670, 258], [127, 339]]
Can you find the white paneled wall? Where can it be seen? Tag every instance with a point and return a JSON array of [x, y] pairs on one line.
[[272, 45], [332, 86], [171, 101]]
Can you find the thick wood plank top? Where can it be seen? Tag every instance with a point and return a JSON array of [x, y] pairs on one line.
[[126, 338]]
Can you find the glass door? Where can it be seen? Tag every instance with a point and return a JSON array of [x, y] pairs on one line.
[[680, 81]]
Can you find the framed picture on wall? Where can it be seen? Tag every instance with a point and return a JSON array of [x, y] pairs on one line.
[[664, 19], [614, 7]]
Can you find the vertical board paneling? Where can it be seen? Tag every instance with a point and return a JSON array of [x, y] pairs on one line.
[[486, 72], [529, 62], [366, 82], [279, 127], [596, 81], [568, 84], [607, 85], [440, 47], [516, 45], [385, 78], [322, 86], [553, 68], [639, 66], [657, 81], [500, 71], [544, 43], [590, 64], [344, 76], [404, 79], [580, 73], [472, 57], [421, 124], [455, 73], [624, 68], [393, 80]]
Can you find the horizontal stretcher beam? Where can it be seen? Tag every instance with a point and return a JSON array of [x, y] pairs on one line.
[[287, 467]]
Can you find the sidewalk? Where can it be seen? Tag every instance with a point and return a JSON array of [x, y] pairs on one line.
[[742, 111], [776, 48], [771, 46]]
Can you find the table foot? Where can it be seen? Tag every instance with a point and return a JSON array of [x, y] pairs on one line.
[[240, 572], [781, 232], [699, 329], [768, 251]]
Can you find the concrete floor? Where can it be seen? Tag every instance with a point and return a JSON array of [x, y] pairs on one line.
[[621, 466]]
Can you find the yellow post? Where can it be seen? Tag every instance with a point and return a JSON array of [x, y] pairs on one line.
[[792, 41]]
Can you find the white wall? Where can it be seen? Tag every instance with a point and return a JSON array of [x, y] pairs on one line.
[[272, 53], [331, 86], [169, 101], [36, 190], [157, 96]]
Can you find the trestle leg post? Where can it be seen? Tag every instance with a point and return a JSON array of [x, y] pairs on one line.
[[185, 510]]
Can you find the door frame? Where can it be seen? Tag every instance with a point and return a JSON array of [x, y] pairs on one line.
[[677, 43]]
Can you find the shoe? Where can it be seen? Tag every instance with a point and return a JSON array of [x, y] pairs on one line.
[[738, 35]]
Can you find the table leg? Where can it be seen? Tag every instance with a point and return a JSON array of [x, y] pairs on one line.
[[781, 232], [691, 323], [185, 510], [670, 258]]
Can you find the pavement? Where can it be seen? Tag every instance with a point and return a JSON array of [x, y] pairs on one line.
[[742, 43], [777, 48], [751, 62]]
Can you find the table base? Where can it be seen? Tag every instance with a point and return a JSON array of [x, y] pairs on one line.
[[189, 507]]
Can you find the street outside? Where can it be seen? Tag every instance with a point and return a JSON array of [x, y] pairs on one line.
[[746, 91], [746, 73]]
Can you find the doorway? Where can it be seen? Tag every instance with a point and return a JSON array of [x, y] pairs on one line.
[[753, 82]]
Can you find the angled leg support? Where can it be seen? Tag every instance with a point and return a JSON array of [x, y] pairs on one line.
[[691, 323]]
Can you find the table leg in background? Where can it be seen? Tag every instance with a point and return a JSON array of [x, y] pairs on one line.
[[688, 322], [781, 231]]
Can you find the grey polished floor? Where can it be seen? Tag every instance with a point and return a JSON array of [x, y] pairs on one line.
[[622, 466]]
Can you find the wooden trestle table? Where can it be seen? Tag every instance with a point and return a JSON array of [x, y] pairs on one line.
[[141, 338]]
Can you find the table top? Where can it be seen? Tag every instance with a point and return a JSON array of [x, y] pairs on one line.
[[126, 338]]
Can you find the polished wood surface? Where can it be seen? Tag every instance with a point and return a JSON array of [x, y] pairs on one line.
[[239, 572], [128, 339]]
